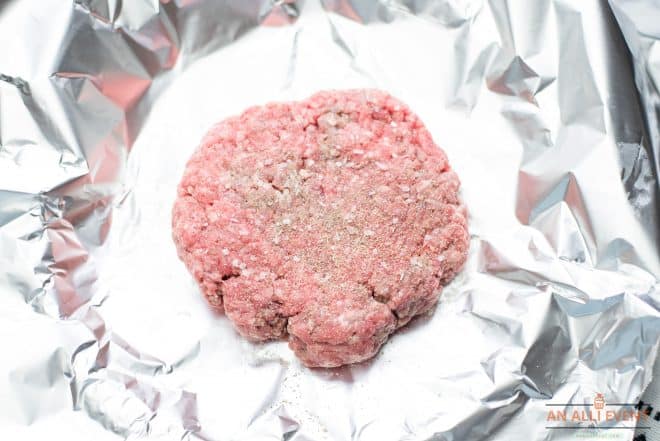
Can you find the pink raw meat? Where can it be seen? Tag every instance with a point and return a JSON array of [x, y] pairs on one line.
[[331, 222]]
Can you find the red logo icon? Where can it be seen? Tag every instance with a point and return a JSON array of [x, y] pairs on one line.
[[599, 402]]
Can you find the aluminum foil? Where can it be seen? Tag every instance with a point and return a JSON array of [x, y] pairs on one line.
[[548, 110]]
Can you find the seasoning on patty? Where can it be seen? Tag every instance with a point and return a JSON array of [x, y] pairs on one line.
[[330, 221]]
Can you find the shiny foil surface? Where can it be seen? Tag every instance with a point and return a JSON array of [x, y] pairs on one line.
[[549, 111]]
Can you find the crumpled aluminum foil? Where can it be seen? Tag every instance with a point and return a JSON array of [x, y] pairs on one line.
[[551, 124]]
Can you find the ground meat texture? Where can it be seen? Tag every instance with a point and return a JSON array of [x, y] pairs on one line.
[[330, 221]]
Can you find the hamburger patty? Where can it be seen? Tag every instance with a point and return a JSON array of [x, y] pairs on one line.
[[330, 221]]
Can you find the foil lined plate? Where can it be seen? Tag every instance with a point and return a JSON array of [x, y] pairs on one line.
[[548, 110]]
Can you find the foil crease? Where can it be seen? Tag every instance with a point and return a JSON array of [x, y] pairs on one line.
[[548, 110]]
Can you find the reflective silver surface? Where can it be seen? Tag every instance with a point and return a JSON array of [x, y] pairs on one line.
[[552, 125]]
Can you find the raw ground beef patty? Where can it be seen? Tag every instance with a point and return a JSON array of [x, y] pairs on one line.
[[331, 222]]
